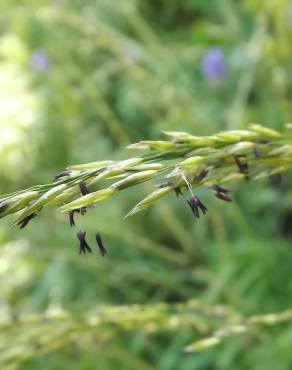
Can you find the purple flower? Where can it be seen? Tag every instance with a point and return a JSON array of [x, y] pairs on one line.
[[213, 65], [40, 60]]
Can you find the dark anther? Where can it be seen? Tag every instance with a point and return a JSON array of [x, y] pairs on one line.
[[100, 245], [221, 193], [82, 211], [84, 188], [71, 216], [242, 165], [201, 175], [223, 196], [61, 174], [262, 141], [196, 205], [163, 185], [178, 191], [84, 191], [84, 247], [257, 152], [22, 223], [3, 208]]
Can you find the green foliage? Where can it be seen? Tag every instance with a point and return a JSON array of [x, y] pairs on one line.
[[79, 81]]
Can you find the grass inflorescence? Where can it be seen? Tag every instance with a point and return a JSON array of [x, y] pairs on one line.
[[181, 163]]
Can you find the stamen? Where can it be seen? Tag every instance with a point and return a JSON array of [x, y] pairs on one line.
[[196, 205], [61, 174], [101, 247], [242, 166], [221, 193], [24, 222], [84, 188], [83, 247]]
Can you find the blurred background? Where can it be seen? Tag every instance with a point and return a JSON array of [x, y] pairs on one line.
[[80, 80]]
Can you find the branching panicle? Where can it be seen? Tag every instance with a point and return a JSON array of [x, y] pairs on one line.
[[181, 163]]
